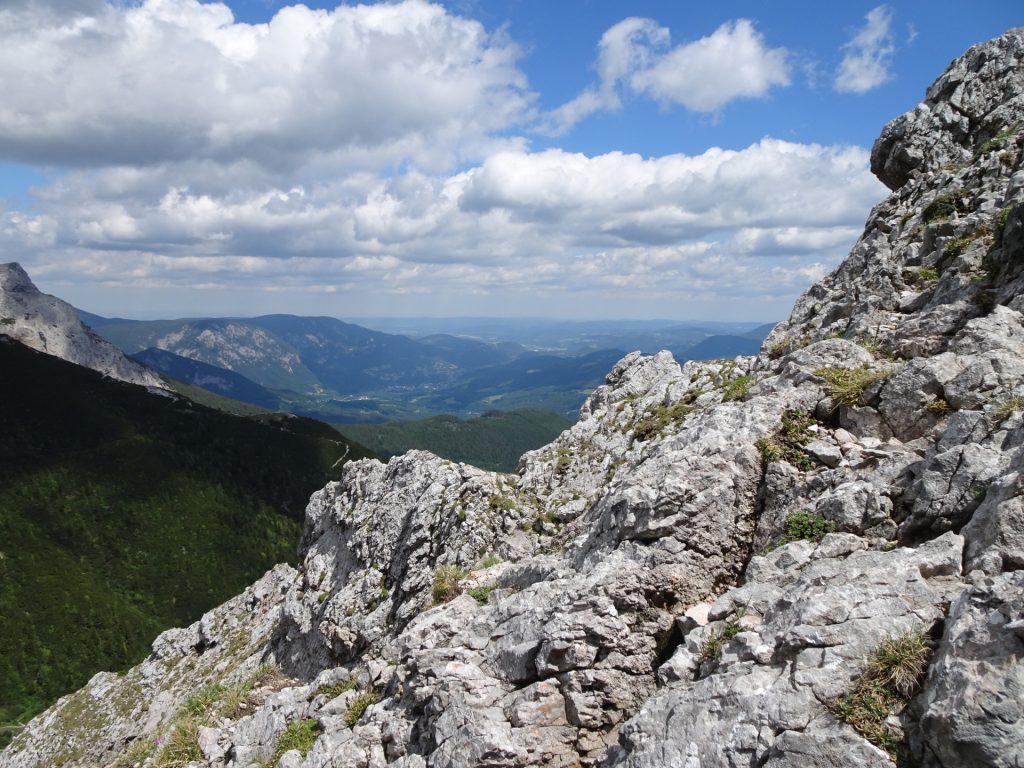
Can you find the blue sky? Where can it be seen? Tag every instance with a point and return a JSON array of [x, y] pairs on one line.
[[521, 158]]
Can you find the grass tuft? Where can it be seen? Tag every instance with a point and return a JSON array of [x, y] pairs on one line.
[[300, 735], [737, 388], [891, 678], [846, 386], [657, 420], [336, 689], [358, 706], [787, 444], [447, 583], [1007, 408], [181, 745]]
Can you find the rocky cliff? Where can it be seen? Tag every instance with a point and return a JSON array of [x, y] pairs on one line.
[[50, 325], [809, 558]]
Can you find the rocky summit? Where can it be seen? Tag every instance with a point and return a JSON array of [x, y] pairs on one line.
[[814, 557], [48, 324]]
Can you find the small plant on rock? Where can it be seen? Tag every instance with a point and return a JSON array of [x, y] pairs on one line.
[[1007, 408], [300, 735], [335, 690], [939, 209], [737, 388], [939, 406], [655, 421], [480, 594], [712, 648], [787, 444], [488, 561], [447, 583], [891, 678], [846, 386], [358, 706]]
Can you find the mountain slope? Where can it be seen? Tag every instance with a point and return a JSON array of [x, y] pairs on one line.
[[123, 512], [809, 558], [52, 326], [218, 380]]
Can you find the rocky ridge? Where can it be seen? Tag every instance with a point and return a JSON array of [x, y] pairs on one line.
[[713, 567], [48, 324]]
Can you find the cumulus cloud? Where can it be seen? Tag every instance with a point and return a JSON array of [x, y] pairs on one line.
[[90, 83], [703, 76], [623, 49], [868, 56]]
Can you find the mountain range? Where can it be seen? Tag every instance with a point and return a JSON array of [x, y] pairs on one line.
[[337, 371]]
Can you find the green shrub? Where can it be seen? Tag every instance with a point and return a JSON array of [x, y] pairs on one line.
[[806, 526], [737, 388], [300, 735], [928, 274], [891, 678], [939, 209], [358, 706], [480, 594], [846, 386], [447, 583], [938, 406]]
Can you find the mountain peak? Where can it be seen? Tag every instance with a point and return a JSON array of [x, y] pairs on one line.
[[13, 277], [976, 100], [48, 324]]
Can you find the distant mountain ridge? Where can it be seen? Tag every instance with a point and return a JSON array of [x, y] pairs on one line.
[[342, 372]]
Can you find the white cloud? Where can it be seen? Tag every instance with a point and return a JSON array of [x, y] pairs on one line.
[[868, 56], [703, 76], [168, 80], [756, 222], [623, 49]]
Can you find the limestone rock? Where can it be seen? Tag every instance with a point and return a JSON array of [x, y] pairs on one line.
[[52, 326]]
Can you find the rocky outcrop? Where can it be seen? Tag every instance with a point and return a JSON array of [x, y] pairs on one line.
[[808, 558], [48, 324]]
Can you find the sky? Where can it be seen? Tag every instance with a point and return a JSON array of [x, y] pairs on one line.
[[574, 159]]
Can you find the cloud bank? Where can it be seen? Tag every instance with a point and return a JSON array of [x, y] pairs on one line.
[[173, 80], [372, 159]]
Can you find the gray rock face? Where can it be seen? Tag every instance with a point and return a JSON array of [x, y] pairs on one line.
[[47, 324], [703, 571]]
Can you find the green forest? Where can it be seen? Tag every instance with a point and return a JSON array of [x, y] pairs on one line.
[[493, 441], [124, 512]]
